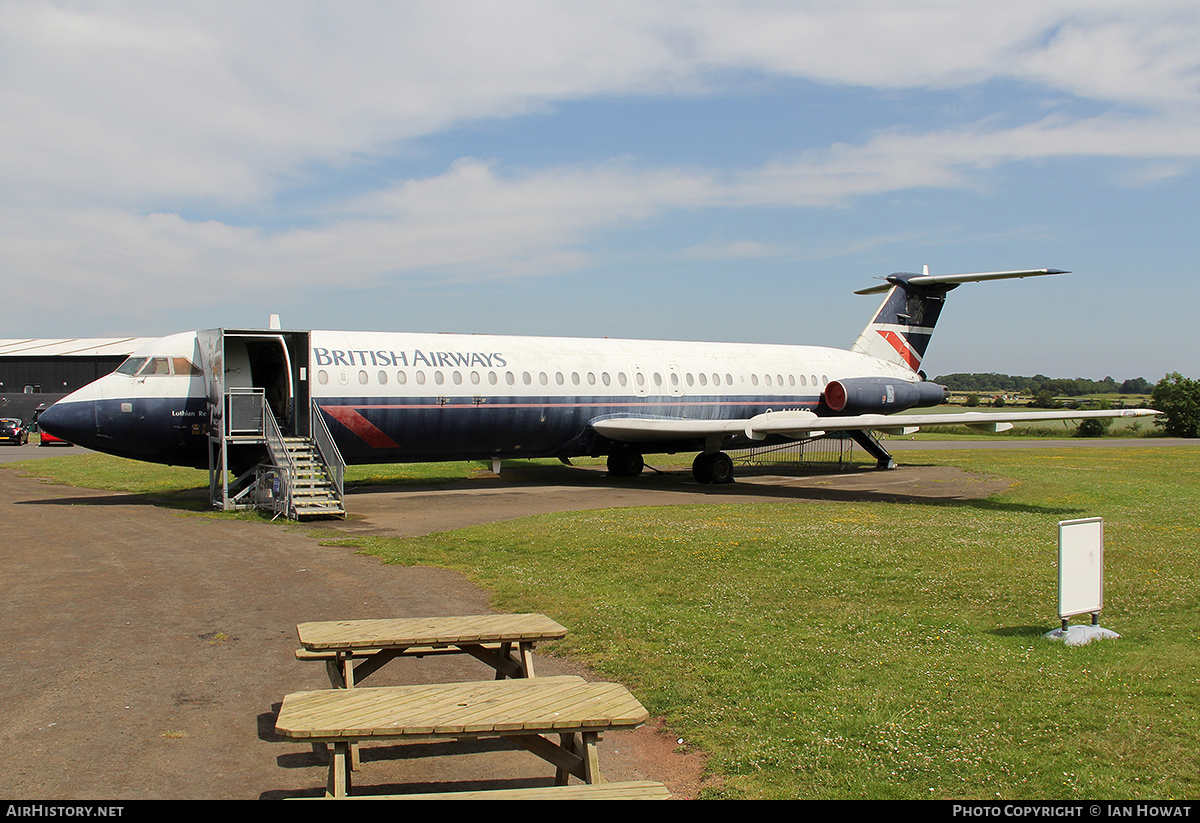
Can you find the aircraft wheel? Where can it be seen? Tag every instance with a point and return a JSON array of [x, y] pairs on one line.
[[625, 463], [721, 468], [713, 468]]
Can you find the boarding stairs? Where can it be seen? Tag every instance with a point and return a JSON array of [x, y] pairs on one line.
[[298, 477], [312, 491]]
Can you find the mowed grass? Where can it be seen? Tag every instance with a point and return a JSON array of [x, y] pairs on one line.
[[886, 650], [826, 649], [102, 471]]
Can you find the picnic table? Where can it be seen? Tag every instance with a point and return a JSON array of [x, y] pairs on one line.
[[503, 641], [528, 712]]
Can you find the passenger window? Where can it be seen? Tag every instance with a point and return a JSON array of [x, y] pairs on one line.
[[323, 377], [401, 378], [362, 377], [382, 378]]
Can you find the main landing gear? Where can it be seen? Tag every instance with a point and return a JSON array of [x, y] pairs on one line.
[[625, 462], [713, 467], [709, 467]]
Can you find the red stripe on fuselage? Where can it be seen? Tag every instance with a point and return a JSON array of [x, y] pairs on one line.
[[349, 417]]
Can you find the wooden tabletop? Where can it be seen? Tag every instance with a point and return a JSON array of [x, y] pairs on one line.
[[491, 708], [428, 631]]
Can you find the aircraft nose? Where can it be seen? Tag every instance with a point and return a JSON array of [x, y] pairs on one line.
[[73, 422]]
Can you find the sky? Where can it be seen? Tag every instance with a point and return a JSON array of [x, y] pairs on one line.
[[689, 170]]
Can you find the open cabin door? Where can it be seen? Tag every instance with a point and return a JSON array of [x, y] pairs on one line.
[[251, 374], [270, 363]]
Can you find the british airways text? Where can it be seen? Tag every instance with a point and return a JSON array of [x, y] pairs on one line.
[[432, 359]]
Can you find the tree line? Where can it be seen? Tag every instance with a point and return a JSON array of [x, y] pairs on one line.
[[993, 383]]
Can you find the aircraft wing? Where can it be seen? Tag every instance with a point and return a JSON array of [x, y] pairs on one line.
[[806, 424]]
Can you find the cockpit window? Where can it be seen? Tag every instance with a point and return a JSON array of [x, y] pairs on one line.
[[158, 367], [132, 365], [181, 365]]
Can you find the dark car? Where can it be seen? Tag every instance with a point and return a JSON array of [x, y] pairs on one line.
[[13, 431]]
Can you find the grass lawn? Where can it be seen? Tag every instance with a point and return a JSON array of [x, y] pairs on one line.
[[842, 650], [819, 649]]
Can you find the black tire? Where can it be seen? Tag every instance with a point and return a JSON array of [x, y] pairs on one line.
[[721, 468], [714, 468], [625, 463]]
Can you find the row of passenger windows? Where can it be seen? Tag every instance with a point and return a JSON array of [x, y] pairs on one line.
[[639, 378]]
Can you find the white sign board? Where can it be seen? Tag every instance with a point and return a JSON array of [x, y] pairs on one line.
[[1080, 566]]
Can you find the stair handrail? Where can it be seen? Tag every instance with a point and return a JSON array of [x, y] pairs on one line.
[[331, 455], [280, 456]]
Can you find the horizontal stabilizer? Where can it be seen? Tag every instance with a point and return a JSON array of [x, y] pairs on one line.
[[934, 279]]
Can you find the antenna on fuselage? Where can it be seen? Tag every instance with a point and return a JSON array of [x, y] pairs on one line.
[[273, 323]]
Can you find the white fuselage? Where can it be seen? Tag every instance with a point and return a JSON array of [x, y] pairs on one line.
[[415, 397]]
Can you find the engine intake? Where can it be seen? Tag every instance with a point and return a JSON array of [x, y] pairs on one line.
[[881, 395]]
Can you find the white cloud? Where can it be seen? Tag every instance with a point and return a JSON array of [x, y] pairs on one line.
[[120, 118], [148, 101]]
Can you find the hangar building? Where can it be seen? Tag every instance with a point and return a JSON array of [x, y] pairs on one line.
[[33, 372]]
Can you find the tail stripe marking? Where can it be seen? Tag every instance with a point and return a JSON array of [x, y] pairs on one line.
[[902, 348]]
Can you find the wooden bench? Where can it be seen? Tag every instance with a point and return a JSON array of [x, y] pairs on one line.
[[629, 790], [503, 641], [528, 712]]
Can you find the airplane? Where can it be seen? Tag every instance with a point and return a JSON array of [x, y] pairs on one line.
[[412, 397]]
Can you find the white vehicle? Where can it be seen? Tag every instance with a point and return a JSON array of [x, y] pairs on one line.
[[398, 397]]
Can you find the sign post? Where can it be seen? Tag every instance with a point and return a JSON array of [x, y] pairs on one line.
[[1080, 580]]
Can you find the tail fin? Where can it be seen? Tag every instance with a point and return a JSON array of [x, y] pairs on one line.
[[901, 329]]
